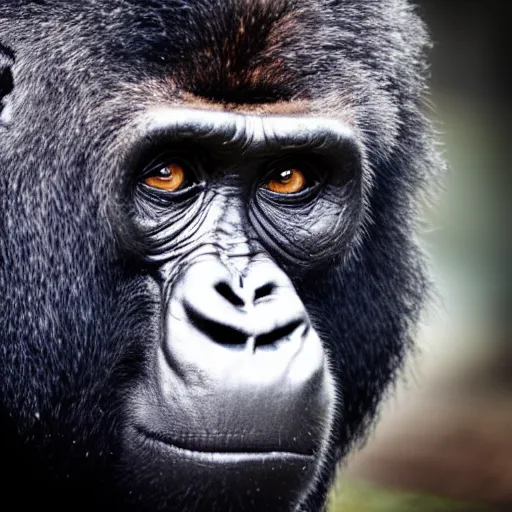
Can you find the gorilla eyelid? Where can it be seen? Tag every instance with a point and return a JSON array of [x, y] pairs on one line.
[[311, 172], [185, 162]]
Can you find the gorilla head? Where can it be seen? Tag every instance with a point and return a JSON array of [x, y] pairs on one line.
[[207, 260]]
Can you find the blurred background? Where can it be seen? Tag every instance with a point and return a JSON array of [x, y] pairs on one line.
[[444, 441]]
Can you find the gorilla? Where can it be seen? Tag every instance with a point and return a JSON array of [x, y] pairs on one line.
[[207, 256]]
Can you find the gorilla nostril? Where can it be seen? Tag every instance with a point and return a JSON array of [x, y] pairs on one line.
[[263, 291], [271, 338], [227, 292], [219, 333]]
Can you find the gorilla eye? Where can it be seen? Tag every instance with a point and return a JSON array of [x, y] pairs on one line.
[[169, 178], [287, 181]]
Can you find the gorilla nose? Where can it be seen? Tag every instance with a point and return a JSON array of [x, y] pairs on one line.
[[227, 330], [238, 316]]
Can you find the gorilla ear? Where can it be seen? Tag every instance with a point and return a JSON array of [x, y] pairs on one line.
[[6, 80]]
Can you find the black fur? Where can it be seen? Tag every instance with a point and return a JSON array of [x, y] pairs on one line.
[[75, 310]]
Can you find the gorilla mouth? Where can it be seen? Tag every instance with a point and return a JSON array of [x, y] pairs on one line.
[[226, 453], [235, 474]]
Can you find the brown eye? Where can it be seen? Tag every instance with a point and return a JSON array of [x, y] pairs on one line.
[[289, 181], [168, 178]]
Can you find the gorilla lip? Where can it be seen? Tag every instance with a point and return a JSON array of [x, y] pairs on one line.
[[222, 455]]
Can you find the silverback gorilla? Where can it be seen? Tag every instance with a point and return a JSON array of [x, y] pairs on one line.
[[207, 263]]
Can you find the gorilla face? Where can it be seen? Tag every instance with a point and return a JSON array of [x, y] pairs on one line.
[[207, 258], [226, 213]]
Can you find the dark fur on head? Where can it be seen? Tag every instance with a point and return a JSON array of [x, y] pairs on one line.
[[80, 72]]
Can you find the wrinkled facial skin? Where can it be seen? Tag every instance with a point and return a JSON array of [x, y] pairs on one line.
[[207, 253]]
